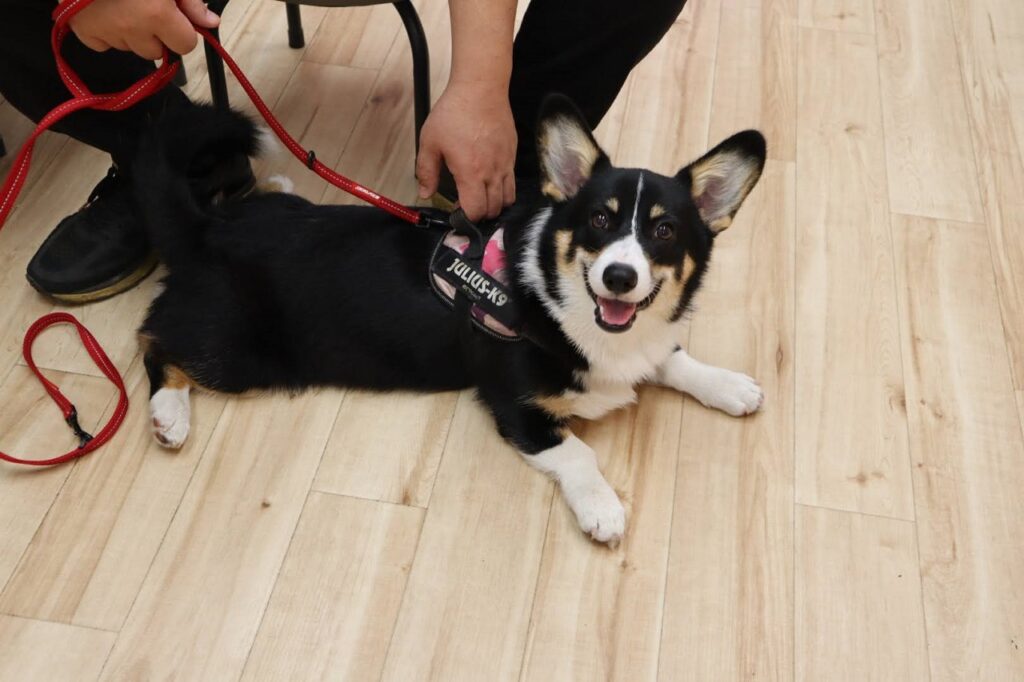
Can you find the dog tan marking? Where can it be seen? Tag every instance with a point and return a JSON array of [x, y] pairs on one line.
[[565, 254], [612, 204], [175, 377], [657, 211], [559, 406], [682, 272]]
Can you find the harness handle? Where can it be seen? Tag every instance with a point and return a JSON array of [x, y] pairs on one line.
[[86, 442]]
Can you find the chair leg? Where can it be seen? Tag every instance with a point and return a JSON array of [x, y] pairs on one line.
[[420, 63], [296, 38], [3, 148], [214, 64], [181, 77]]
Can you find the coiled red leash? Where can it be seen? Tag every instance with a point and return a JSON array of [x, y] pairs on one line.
[[86, 442], [83, 98]]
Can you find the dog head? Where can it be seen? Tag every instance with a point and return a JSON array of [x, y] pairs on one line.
[[629, 245]]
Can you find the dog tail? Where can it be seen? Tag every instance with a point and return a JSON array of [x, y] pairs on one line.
[[185, 162]]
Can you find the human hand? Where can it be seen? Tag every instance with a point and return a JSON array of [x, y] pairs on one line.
[[472, 130], [142, 26]]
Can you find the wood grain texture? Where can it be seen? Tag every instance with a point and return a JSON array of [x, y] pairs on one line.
[[31, 427], [729, 595], [666, 127], [310, 109], [15, 129], [366, 457], [259, 44], [851, 447], [34, 651], [858, 598], [930, 159], [89, 557], [597, 612], [484, 533], [354, 36], [857, 16], [335, 602], [966, 442], [381, 153], [755, 73], [989, 47], [201, 603]]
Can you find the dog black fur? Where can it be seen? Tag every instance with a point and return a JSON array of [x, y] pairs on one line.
[[271, 291]]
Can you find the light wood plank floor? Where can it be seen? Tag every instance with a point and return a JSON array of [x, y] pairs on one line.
[[868, 524]]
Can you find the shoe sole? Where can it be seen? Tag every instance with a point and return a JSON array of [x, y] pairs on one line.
[[105, 290]]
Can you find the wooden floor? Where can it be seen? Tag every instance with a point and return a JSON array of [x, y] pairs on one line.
[[868, 524]]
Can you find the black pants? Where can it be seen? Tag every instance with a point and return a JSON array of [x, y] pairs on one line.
[[583, 48]]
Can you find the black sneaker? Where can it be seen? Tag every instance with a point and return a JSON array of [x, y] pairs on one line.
[[97, 252]]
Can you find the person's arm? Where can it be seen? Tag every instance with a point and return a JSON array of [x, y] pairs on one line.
[[142, 26], [471, 126]]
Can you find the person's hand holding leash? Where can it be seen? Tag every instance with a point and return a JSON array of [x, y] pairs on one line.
[[471, 127], [142, 26]]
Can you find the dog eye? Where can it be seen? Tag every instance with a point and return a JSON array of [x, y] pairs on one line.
[[664, 231], [599, 220]]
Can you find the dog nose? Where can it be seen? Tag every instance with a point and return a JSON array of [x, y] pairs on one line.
[[619, 278]]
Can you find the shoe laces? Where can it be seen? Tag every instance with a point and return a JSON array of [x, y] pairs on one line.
[[104, 185]]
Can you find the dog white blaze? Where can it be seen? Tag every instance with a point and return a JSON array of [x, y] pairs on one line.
[[170, 412], [574, 465], [634, 225]]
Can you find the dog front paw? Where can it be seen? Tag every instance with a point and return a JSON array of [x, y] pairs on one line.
[[731, 392], [598, 511]]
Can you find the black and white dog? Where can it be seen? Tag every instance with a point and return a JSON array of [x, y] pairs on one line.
[[273, 292]]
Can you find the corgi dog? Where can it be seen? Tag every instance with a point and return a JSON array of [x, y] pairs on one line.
[[270, 291]]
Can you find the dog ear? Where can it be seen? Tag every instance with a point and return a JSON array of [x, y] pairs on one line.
[[721, 179], [567, 150]]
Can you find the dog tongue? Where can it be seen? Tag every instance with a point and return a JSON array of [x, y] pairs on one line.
[[615, 312]]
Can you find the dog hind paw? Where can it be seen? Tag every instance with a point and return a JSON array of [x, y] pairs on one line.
[[170, 413]]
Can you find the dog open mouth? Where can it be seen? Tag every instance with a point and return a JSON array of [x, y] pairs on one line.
[[614, 315]]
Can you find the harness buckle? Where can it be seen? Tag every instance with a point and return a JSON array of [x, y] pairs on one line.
[[83, 436]]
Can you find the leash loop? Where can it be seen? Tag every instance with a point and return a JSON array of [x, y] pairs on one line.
[[86, 441]]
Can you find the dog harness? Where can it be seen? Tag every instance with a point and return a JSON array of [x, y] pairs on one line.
[[466, 275]]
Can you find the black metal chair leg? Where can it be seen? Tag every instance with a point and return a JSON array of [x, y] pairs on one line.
[[214, 64], [181, 77], [296, 38], [420, 63], [3, 148]]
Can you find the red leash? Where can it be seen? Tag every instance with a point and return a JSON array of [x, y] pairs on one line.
[[86, 442], [83, 98]]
